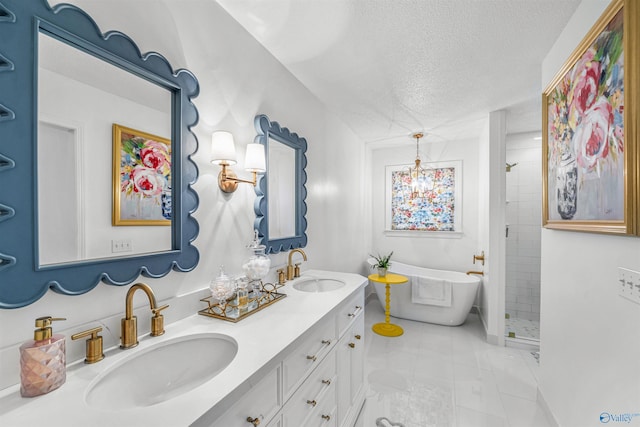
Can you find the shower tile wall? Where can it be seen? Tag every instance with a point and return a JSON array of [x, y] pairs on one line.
[[524, 183]]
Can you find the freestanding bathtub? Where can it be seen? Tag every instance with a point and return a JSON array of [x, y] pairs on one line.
[[463, 294]]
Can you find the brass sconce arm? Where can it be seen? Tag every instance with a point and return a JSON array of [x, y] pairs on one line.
[[228, 180]]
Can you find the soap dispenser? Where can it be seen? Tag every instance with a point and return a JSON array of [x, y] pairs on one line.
[[42, 360]]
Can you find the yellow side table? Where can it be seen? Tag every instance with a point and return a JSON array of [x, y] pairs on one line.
[[388, 329]]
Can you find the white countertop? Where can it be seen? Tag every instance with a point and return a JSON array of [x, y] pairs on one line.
[[261, 338]]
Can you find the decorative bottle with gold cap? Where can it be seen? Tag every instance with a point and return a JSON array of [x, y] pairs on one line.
[[42, 360]]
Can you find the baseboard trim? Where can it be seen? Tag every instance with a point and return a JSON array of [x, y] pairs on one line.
[[489, 338], [547, 411]]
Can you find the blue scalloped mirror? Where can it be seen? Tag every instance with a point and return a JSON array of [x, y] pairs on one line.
[[87, 121], [280, 206]]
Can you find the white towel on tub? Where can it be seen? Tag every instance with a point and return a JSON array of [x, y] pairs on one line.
[[425, 290]]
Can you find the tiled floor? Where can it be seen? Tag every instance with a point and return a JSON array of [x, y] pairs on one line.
[[446, 376], [522, 328]]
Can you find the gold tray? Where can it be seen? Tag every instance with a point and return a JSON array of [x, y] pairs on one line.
[[230, 311]]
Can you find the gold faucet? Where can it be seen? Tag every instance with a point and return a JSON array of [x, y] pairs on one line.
[[479, 273], [129, 323], [291, 272]]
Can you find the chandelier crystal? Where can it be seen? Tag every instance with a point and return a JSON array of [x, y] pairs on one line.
[[419, 180]]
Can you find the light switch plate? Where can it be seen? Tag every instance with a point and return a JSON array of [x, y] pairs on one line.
[[629, 284], [123, 245]]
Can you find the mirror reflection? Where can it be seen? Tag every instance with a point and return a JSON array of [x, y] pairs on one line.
[[80, 98], [281, 190]]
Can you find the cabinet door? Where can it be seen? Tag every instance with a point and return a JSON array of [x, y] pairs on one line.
[[350, 351], [357, 359]]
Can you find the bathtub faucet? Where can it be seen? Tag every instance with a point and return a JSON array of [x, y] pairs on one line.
[[479, 273]]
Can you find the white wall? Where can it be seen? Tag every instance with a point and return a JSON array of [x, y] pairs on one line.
[[491, 223], [446, 253], [590, 340], [238, 79]]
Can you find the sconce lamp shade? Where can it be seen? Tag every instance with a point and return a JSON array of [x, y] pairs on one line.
[[223, 150], [255, 159]]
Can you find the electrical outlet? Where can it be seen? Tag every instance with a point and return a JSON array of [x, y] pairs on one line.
[[629, 284], [122, 245]]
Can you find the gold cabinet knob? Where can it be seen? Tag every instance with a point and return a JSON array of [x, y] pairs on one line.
[[312, 358], [254, 421], [326, 342], [94, 344], [358, 337], [326, 417], [312, 402], [357, 309], [352, 345], [327, 382]]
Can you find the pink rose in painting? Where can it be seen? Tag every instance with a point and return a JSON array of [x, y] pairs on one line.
[[591, 138], [156, 156], [585, 83], [147, 181]]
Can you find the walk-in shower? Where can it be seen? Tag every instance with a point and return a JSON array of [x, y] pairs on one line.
[[523, 215]]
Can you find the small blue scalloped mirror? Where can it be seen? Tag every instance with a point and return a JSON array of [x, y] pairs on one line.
[[281, 203], [33, 33]]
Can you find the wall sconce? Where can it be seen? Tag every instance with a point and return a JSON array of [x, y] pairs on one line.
[[223, 153]]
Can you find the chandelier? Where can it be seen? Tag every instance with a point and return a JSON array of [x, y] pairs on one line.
[[419, 182]]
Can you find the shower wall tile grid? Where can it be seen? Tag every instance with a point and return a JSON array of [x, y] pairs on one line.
[[523, 241]]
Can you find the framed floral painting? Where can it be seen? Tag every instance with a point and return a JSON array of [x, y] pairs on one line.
[[588, 145], [437, 211], [141, 178]]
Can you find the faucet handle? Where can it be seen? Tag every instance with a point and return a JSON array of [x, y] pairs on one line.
[[297, 270], [281, 276], [94, 344], [157, 321]]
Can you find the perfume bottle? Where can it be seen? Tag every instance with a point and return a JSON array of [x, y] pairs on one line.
[[42, 360], [242, 292]]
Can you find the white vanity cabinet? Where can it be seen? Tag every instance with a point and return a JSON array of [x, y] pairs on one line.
[[307, 355], [317, 383], [350, 354], [315, 401]]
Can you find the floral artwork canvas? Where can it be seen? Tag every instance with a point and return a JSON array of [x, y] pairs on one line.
[[584, 159], [142, 178], [439, 208]]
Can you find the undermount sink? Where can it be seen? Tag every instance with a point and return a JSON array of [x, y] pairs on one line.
[[162, 372], [315, 284]]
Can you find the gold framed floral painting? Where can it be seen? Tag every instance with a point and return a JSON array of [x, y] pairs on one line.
[[589, 130], [141, 178]]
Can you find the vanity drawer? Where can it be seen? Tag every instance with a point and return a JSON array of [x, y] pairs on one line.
[[261, 401], [307, 355], [313, 393], [326, 413], [349, 310]]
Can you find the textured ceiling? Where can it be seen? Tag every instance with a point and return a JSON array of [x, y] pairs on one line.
[[392, 67]]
